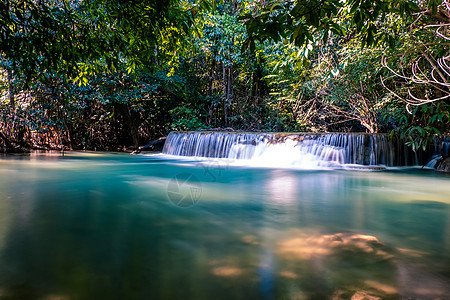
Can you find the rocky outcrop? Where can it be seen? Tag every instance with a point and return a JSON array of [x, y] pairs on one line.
[[443, 165]]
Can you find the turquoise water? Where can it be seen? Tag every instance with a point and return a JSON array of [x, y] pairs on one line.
[[116, 226]]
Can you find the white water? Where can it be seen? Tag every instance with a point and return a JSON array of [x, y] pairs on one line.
[[307, 154], [296, 149]]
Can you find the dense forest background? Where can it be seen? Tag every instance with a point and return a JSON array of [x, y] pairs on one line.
[[113, 75]]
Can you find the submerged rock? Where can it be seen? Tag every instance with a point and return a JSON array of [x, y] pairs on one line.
[[362, 295]]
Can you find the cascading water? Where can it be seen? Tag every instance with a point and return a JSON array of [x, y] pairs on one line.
[[208, 144], [305, 153], [442, 145], [299, 149]]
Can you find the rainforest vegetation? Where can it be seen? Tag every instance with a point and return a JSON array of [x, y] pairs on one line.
[[115, 74]]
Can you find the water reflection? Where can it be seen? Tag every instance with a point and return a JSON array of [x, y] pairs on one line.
[[101, 227]]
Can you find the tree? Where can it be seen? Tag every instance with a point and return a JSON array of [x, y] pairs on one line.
[[301, 21], [78, 38], [319, 95], [419, 76], [51, 44]]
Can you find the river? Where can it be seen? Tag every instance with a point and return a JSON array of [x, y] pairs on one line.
[[117, 226]]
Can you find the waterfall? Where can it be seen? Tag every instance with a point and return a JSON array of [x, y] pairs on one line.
[[442, 142], [207, 144], [304, 149]]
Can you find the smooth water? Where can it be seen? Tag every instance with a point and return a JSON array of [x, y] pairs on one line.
[[115, 226]]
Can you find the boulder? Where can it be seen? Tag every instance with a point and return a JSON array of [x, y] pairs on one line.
[[443, 165]]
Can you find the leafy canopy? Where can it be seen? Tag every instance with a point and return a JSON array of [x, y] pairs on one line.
[[76, 38], [302, 20]]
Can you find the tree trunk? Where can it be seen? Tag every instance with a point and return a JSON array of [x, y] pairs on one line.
[[156, 55], [229, 84], [210, 88], [11, 89], [132, 126], [224, 86], [6, 142]]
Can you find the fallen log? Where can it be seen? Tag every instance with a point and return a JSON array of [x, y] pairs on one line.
[[152, 143]]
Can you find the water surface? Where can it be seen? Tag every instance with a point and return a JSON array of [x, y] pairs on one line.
[[115, 226]]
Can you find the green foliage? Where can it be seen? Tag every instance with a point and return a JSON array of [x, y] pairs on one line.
[[78, 39], [103, 74], [302, 21], [425, 123], [186, 118]]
